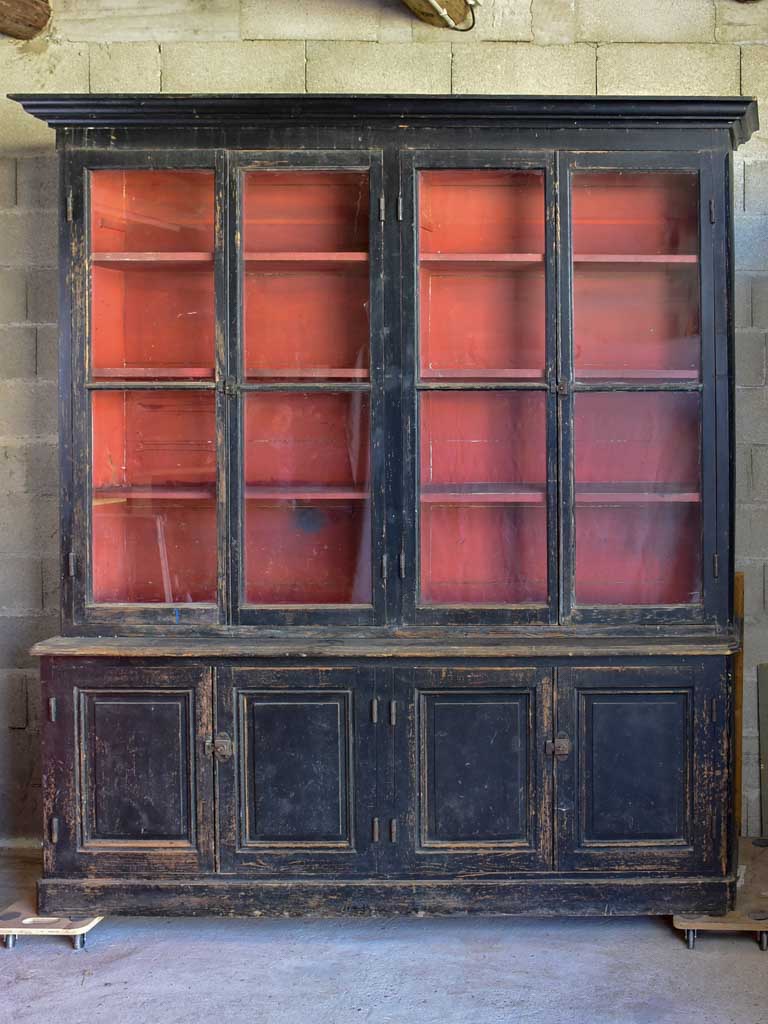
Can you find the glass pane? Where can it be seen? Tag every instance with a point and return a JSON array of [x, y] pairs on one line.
[[483, 522], [154, 497], [638, 498], [152, 291], [306, 289], [481, 275], [636, 276], [307, 498]]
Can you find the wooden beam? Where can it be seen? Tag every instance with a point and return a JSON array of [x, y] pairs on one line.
[[24, 19]]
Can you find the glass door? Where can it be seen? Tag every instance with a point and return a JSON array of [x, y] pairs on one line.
[[151, 395], [480, 362], [636, 406], [311, 421]]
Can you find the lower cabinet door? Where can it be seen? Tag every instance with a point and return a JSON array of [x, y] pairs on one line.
[[127, 784], [642, 786], [473, 782], [297, 794]]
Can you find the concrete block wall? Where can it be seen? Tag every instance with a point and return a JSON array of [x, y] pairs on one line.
[[709, 47]]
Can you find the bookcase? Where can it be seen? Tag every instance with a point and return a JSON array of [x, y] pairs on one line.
[[397, 505]]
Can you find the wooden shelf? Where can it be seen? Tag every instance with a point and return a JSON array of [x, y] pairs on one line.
[[308, 373], [153, 373], [306, 493], [113, 495], [633, 494], [642, 258], [483, 494], [623, 374], [481, 259], [473, 373], [139, 260], [310, 260]]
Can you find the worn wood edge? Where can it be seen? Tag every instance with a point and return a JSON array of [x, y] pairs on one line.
[[394, 648], [24, 909], [738, 700], [572, 897]]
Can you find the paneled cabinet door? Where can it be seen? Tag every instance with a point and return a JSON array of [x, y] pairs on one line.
[[472, 776], [297, 786], [127, 785], [644, 785]]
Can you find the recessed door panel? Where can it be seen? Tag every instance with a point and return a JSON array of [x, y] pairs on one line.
[[472, 779], [130, 782], [637, 787], [297, 795]]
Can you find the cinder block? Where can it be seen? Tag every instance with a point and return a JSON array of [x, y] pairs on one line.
[[754, 590], [44, 65], [28, 237], [48, 351], [315, 19], [743, 301], [7, 182], [29, 468], [750, 234], [27, 409], [125, 67], [554, 21], [38, 182], [750, 358], [21, 585], [632, 69], [759, 472], [107, 21], [759, 304], [752, 535], [42, 296], [743, 472], [378, 67], [233, 67], [51, 578], [17, 352], [646, 21], [737, 22], [752, 416], [495, 20], [15, 687], [756, 183], [29, 525], [13, 296], [18, 634], [754, 71], [524, 68]]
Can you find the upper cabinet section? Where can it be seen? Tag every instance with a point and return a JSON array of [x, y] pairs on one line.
[[395, 361]]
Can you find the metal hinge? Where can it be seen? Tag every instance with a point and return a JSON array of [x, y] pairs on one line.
[[560, 746], [400, 207], [70, 208], [382, 208], [401, 563], [53, 830], [220, 746], [393, 712], [52, 709], [375, 710], [71, 565], [393, 830], [711, 211], [384, 567], [716, 565], [375, 830]]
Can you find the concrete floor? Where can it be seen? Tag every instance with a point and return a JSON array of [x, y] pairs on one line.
[[386, 971]]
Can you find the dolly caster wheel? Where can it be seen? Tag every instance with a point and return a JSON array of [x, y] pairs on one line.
[[762, 938], [690, 938], [10, 941], [78, 941]]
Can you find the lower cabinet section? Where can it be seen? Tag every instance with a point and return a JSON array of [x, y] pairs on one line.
[[341, 787]]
